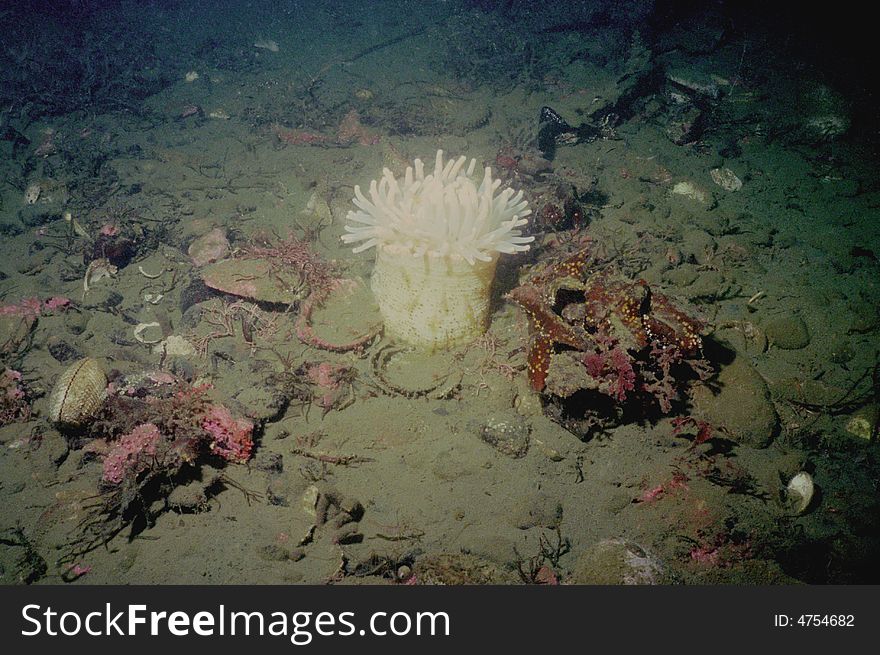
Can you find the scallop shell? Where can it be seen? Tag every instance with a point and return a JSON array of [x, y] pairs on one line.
[[799, 492], [78, 394]]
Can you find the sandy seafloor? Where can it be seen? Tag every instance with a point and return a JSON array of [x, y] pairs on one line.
[[783, 271]]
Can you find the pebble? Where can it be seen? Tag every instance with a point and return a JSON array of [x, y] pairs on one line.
[[740, 402], [788, 332], [508, 435]]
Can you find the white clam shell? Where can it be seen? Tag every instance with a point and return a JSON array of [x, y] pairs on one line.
[[799, 492]]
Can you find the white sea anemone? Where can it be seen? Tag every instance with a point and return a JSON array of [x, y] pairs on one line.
[[437, 238], [444, 213]]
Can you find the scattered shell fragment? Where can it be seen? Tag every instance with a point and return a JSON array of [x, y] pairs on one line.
[[98, 268], [266, 44], [726, 179], [551, 453], [78, 229], [310, 500], [191, 76], [151, 276], [153, 298], [318, 208], [32, 193], [78, 394], [139, 330], [863, 423], [799, 492], [220, 114], [692, 191]]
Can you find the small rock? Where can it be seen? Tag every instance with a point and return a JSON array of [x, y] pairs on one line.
[[788, 332], [262, 402], [616, 562], [19, 561], [62, 350], [175, 346], [282, 490], [188, 498], [273, 553], [686, 127], [269, 462], [54, 447], [806, 391], [210, 247], [741, 404], [449, 465], [863, 423], [539, 511], [508, 434], [863, 318], [77, 322], [682, 276], [460, 569]]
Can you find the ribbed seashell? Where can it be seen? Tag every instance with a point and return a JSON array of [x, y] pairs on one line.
[[78, 394]]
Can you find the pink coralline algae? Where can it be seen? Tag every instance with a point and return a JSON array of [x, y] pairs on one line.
[[132, 454], [56, 303], [230, 437], [13, 400], [32, 308], [26, 307]]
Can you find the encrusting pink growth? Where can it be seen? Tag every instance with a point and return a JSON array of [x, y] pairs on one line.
[[230, 437], [55, 303], [13, 400], [132, 453], [26, 307], [32, 308]]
